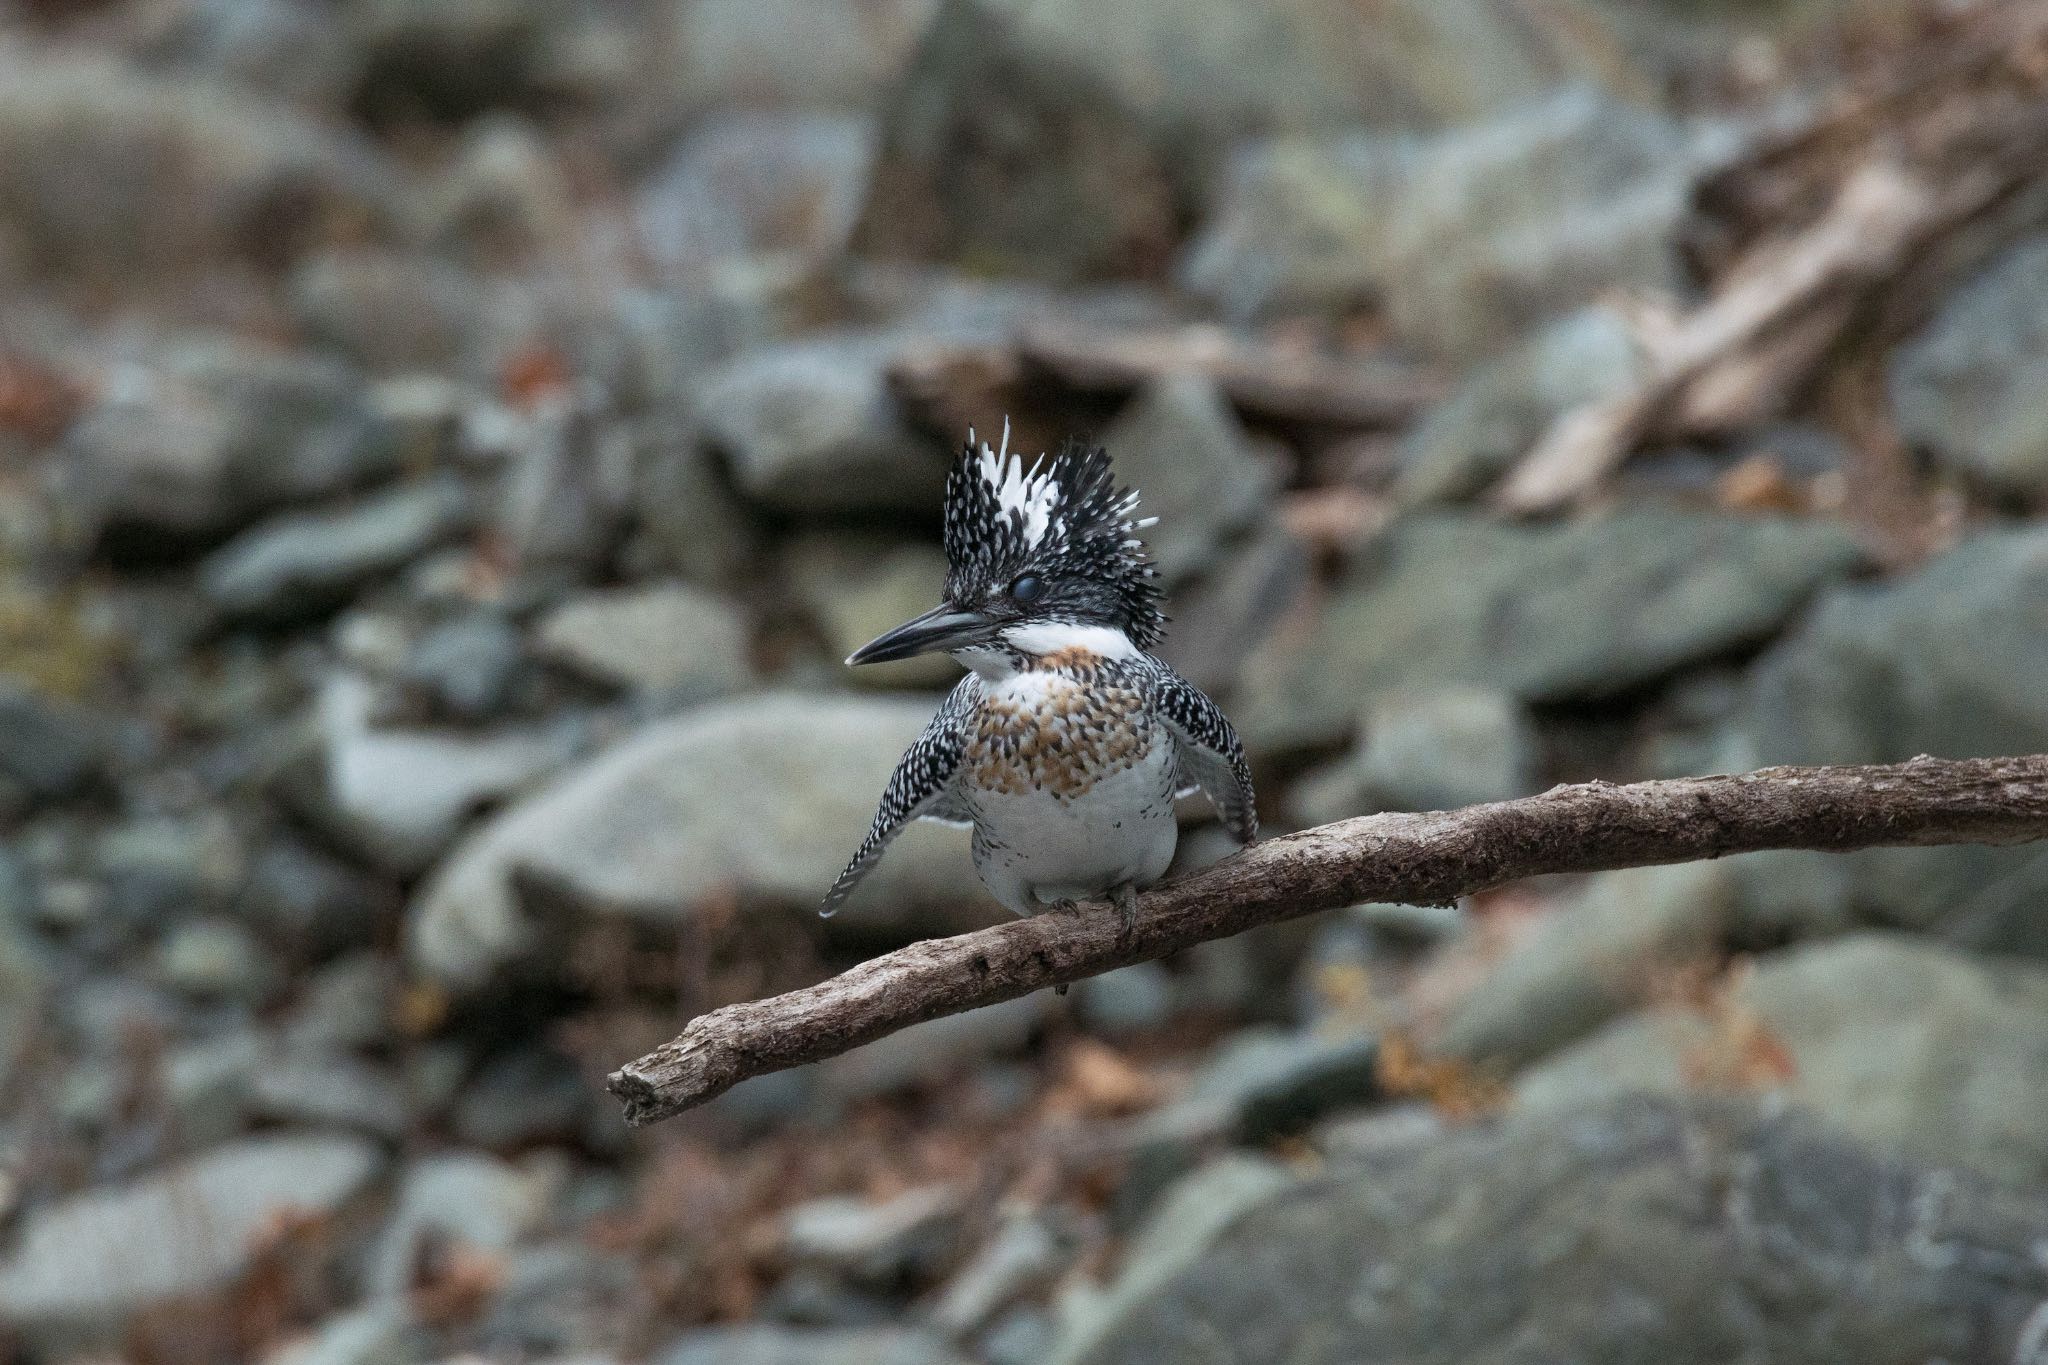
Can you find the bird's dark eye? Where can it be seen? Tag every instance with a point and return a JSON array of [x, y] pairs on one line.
[[1027, 587]]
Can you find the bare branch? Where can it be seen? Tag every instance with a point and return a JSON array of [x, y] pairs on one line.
[[1413, 858]]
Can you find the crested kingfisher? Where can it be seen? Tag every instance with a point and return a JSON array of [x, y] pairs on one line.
[[1067, 742]]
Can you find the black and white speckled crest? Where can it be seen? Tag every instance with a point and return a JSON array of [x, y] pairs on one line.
[[1063, 519]]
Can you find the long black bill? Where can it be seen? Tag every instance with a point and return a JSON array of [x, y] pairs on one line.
[[941, 628]]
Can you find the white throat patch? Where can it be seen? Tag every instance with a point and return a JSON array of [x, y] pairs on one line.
[[1050, 637]]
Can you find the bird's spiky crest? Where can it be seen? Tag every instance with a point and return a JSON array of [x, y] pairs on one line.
[[1063, 517]]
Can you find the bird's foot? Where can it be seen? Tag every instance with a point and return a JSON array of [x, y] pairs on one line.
[[1065, 905], [1124, 897]]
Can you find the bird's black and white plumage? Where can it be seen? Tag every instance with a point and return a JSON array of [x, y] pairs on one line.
[[1067, 742]]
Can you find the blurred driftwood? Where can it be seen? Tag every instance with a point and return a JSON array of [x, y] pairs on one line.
[[1725, 345], [1414, 858], [1875, 200]]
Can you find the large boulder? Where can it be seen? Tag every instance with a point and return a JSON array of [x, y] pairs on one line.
[[208, 431], [1470, 237], [1067, 138], [1637, 1233], [739, 52], [1947, 660], [108, 170], [765, 797], [82, 1265], [811, 426], [1967, 388], [1546, 614], [306, 562], [1178, 443], [1906, 1044], [1600, 954], [669, 639], [752, 184]]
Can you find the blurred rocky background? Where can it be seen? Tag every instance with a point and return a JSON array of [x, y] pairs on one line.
[[447, 446]]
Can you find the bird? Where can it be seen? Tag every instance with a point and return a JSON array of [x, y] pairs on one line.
[[1067, 741]]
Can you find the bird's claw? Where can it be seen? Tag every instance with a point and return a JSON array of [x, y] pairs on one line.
[[1125, 899]]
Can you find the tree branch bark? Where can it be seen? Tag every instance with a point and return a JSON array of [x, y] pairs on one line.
[[1429, 858]]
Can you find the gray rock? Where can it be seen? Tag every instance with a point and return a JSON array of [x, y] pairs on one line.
[[750, 184], [310, 561], [1068, 139], [666, 638], [877, 1243], [1041, 140], [690, 521], [858, 587], [294, 49], [158, 867], [810, 426], [1496, 414], [1595, 957], [565, 1297], [455, 1197], [1639, 1232], [1904, 1044], [1022, 1336], [1470, 237], [211, 432], [1545, 614], [83, 1264], [1179, 444], [1965, 388], [524, 1096], [1574, 197], [329, 1090], [216, 959], [1189, 1219], [1453, 746], [1266, 1082], [1129, 1000], [1222, 618], [467, 664], [764, 796], [52, 748], [1379, 1133], [390, 310], [110, 169], [764, 1345], [1300, 222], [348, 1003], [737, 52], [1941, 661], [507, 198], [568, 494], [401, 795], [813, 1298], [375, 1334], [311, 900], [1022, 1256], [25, 975]]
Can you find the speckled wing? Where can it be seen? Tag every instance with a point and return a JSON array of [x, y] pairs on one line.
[[921, 788], [1210, 755]]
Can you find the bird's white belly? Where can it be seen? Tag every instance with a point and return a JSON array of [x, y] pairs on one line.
[[1034, 846]]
